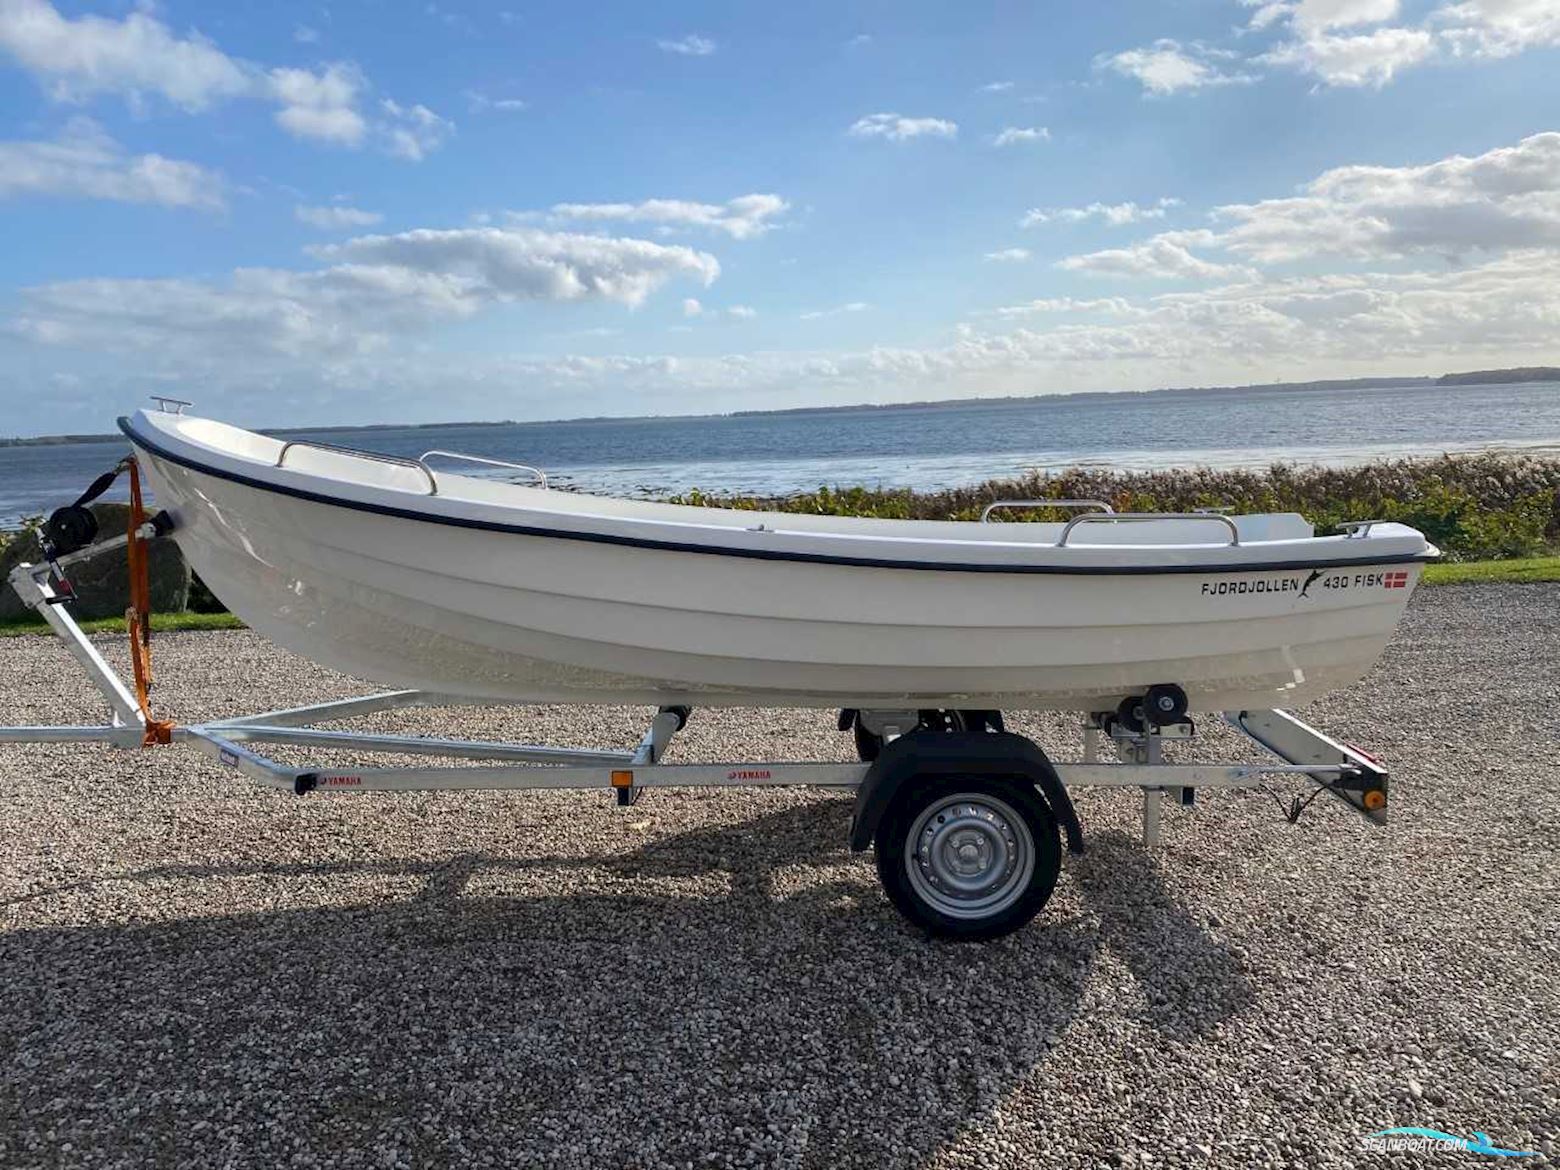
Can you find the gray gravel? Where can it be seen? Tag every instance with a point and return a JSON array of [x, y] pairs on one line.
[[195, 971]]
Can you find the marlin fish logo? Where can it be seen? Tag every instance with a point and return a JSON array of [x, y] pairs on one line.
[[1309, 581], [1479, 1143]]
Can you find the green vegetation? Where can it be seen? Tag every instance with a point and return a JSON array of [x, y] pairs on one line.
[[1474, 507], [29, 524], [161, 622], [1484, 572]]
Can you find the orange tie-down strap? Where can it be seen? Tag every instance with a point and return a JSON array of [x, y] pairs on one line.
[[138, 618]]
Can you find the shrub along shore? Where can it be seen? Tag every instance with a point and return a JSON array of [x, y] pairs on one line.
[[1474, 507], [1496, 517]]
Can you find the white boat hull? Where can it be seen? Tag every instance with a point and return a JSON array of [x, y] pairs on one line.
[[453, 606]]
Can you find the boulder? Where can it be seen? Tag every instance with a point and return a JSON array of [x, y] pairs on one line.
[[102, 583]]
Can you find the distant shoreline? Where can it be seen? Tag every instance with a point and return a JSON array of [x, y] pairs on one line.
[[1471, 378]]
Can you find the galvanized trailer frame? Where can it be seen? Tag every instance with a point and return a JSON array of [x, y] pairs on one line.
[[1298, 749]]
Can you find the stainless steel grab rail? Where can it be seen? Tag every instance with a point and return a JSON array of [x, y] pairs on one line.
[[992, 507], [398, 460], [1144, 517], [536, 471], [1360, 528]]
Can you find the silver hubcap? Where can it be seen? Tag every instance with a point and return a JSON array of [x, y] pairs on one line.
[[969, 856]]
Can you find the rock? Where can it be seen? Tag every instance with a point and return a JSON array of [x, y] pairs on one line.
[[103, 584]]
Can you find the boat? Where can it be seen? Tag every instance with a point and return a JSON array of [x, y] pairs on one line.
[[495, 587]]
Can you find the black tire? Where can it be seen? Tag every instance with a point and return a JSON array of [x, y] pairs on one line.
[[1014, 898]]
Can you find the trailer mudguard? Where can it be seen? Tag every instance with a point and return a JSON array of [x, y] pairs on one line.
[[958, 753]]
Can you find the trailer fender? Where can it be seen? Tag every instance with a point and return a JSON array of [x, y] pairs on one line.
[[958, 753]]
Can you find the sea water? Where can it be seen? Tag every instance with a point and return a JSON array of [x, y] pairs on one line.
[[930, 446]]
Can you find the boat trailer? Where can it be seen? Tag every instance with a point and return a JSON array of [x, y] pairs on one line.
[[985, 843]]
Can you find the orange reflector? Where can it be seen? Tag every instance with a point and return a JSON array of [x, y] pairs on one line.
[[1374, 799], [622, 779]]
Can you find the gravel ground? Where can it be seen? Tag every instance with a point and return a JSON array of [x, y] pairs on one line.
[[194, 971]]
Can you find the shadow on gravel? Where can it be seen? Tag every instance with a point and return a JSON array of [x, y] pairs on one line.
[[1192, 982], [609, 1027]]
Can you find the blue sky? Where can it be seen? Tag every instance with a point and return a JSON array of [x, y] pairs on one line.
[[362, 212]]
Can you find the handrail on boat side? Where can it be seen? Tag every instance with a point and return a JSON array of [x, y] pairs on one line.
[[992, 507], [1143, 517], [398, 460], [1361, 528], [540, 475]]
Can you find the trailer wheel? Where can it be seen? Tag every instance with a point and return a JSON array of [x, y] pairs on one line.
[[968, 857]]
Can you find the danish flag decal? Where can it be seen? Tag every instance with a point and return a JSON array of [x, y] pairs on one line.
[[1396, 580]]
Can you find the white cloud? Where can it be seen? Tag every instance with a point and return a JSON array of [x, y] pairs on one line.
[[335, 215], [1460, 29], [413, 132], [85, 163], [1014, 135], [305, 35], [692, 307], [1320, 15], [1009, 255], [1498, 28], [1116, 306], [140, 57], [1268, 12], [1506, 312], [522, 264], [1114, 214], [850, 307], [1362, 59], [1167, 256], [996, 87], [265, 341], [322, 105], [898, 128], [376, 290], [137, 56], [480, 103], [1168, 67], [1503, 199], [692, 45], [742, 218]]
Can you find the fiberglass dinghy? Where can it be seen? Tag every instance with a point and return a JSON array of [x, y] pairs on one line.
[[390, 570]]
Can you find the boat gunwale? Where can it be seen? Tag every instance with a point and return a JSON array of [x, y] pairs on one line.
[[139, 439]]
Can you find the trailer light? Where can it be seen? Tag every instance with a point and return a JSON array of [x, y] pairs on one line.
[[622, 779], [1374, 799]]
